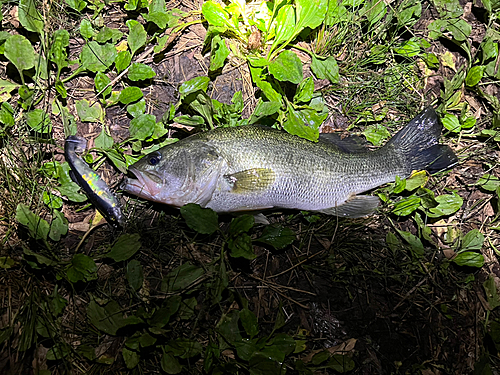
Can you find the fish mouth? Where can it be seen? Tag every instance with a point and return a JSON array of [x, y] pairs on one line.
[[142, 185]]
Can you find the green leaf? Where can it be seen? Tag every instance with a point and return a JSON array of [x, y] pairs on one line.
[[86, 29], [96, 57], [304, 122], [184, 348], [241, 224], [162, 315], [474, 75], [6, 114], [376, 134], [473, 240], [6, 263], [181, 277], [215, 14], [241, 246], [39, 121], [58, 226], [77, 5], [305, 91], [123, 60], [451, 123], [20, 52], [130, 357], [88, 113], [264, 109], [488, 182], [51, 200], [58, 53], [490, 290], [470, 259], [326, 68], [125, 247], [408, 48], [416, 180], [137, 109], [416, 245], [83, 268], [170, 364], [139, 72], [108, 34], [447, 204], [70, 190], [38, 228], [287, 67], [29, 16], [249, 322], [341, 363], [194, 85], [376, 10], [101, 80], [130, 94], [201, 220], [103, 140], [137, 35], [310, 13], [277, 236], [109, 318], [285, 25], [142, 127], [219, 53], [135, 274]]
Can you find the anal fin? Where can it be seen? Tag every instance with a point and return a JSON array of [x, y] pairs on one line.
[[355, 206]]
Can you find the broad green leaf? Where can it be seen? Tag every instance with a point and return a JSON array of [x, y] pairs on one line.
[[82, 268], [447, 204], [142, 127], [416, 245], [201, 220], [416, 180], [139, 72], [451, 123], [137, 36], [86, 29], [125, 247], [38, 228], [469, 259], [58, 226], [474, 75], [38, 258], [101, 80], [310, 13], [241, 224], [406, 206], [193, 85], [249, 322], [96, 57], [170, 364], [305, 91], [58, 53], [135, 274], [277, 236], [190, 120], [448, 8], [130, 94], [473, 240], [103, 140], [130, 357], [219, 53], [241, 246], [287, 67], [184, 348], [20, 52], [215, 14], [264, 109], [107, 34], [187, 309], [228, 328], [30, 17], [488, 182], [122, 60], [341, 363], [181, 277], [490, 290], [304, 122], [70, 190], [51, 200], [162, 19], [326, 68], [285, 25], [162, 315], [109, 318], [88, 113], [77, 5], [6, 87], [376, 10], [376, 134], [136, 109], [7, 263], [39, 121]]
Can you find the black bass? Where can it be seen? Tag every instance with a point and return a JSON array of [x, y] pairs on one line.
[[94, 187], [252, 168]]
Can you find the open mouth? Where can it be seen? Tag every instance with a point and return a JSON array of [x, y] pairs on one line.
[[140, 184]]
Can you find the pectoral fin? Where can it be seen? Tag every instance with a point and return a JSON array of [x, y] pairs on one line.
[[251, 179], [355, 206]]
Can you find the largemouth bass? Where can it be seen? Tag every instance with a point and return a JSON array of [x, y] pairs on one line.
[[252, 168], [94, 187]]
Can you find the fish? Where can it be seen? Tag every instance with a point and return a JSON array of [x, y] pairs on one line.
[[92, 184], [254, 168]]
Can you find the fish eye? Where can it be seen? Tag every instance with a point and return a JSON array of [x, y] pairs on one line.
[[154, 158]]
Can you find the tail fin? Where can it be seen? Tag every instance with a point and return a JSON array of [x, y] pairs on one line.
[[419, 142]]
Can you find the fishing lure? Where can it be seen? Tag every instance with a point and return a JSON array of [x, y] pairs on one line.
[[92, 184]]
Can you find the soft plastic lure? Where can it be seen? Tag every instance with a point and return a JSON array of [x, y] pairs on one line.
[[91, 183]]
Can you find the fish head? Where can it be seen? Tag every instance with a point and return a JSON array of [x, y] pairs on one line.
[[176, 175]]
